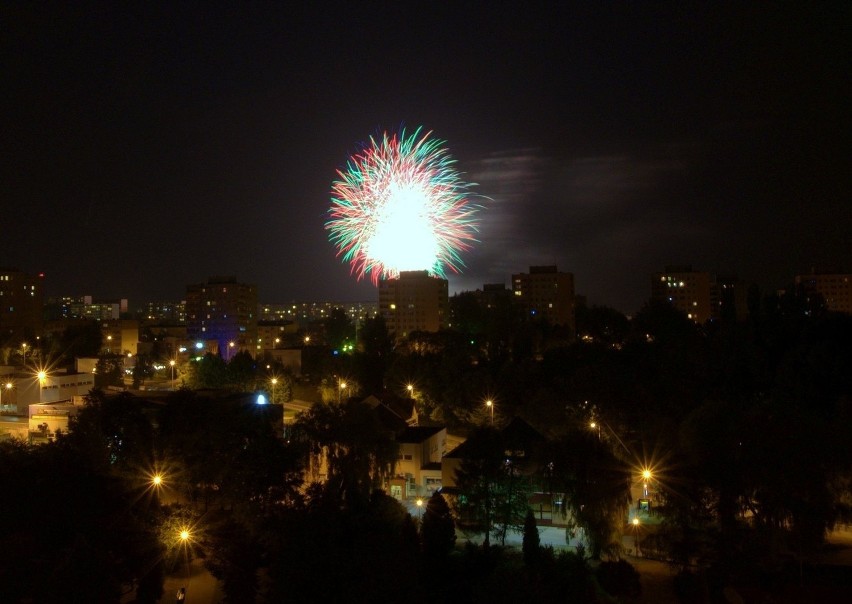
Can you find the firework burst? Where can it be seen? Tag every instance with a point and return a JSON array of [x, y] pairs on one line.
[[400, 205]]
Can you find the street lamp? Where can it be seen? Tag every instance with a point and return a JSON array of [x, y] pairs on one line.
[[410, 388], [342, 386], [24, 353], [7, 386], [230, 350], [109, 344], [185, 536], [42, 376], [595, 426], [490, 404], [419, 508], [273, 381], [172, 365], [635, 523]]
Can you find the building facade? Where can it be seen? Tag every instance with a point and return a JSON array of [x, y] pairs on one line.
[[546, 293], [835, 288], [21, 304], [414, 301], [224, 311], [689, 291]]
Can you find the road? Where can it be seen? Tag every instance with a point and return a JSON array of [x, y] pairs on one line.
[[201, 586]]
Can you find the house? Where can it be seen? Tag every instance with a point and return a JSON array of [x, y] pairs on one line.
[[418, 471]]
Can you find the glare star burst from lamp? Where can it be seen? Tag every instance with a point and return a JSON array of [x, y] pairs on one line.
[[400, 205]]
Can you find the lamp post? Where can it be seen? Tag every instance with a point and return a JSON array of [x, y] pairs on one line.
[[42, 376], [109, 344], [172, 365], [490, 404], [185, 536], [595, 426], [24, 353], [419, 508], [230, 350], [7, 386], [339, 390], [273, 381], [635, 523]]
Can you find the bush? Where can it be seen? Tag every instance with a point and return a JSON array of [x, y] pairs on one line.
[[619, 578]]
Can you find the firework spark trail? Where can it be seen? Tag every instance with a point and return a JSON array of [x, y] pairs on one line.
[[400, 205]]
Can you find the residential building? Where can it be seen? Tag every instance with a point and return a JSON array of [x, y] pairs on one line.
[[418, 470], [275, 334], [85, 307], [307, 313], [222, 311], [21, 304], [546, 293], [689, 291], [414, 301], [120, 336], [834, 287], [164, 313]]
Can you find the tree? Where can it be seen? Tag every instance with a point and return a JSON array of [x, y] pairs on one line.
[[438, 530], [339, 329], [350, 439], [109, 371], [209, 372], [596, 486], [531, 543], [241, 373], [106, 548], [493, 495], [142, 370]]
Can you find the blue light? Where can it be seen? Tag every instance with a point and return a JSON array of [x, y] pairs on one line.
[[199, 345], [261, 400]]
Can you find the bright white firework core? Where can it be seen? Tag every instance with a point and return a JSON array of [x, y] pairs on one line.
[[404, 237]]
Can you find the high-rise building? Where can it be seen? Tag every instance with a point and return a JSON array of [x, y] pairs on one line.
[[547, 293], [21, 304], [223, 311], [414, 301], [167, 313], [689, 291], [834, 287]]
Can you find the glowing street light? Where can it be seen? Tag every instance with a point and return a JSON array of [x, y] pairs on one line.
[[595, 426], [635, 523], [230, 350], [419, 508], [42, 378], [172, 365], [490, 404], [6, 386], [339, 390], [273, 381]]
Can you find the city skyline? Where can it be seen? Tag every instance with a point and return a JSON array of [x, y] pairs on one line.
[[148, 148]]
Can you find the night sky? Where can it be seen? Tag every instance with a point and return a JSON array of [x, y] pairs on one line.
[[147, 146]]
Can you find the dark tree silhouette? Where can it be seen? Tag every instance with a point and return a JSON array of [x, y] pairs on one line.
[[437, 530], [532, 542]]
